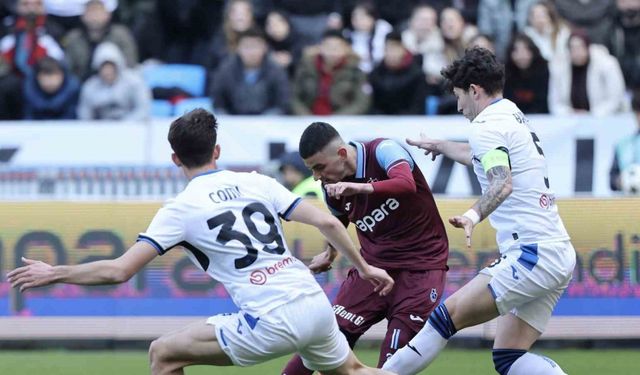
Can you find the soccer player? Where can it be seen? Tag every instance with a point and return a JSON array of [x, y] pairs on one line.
[[227, 224], [536, 260], [377, 186]]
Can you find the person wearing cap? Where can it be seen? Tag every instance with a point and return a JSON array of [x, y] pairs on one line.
[[297, 177]]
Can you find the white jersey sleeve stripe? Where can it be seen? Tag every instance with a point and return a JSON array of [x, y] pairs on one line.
[[289, 210], [152, 242]]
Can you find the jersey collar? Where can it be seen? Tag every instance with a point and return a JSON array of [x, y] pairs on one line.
[[206, 173], [361, 159]]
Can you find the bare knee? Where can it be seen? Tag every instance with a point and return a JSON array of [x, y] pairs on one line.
[[158, 355]]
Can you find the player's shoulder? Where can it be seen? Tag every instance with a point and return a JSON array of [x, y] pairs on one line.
[[501, 113]]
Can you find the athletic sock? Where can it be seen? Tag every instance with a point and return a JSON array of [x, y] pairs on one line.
[[534, 364]]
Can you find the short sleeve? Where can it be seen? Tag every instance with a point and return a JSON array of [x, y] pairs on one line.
[[283, 200], [166, 229], [389, 153], [484, 139]]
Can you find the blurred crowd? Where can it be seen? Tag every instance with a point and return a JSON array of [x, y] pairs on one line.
[[67, 59]]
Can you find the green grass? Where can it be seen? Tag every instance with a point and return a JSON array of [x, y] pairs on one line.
[[452, 361]]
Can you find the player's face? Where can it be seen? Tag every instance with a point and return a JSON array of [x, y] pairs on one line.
[[327, 165], [466, 104]]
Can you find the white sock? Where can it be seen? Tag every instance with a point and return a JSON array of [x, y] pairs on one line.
[[418, 353], [534, 364]]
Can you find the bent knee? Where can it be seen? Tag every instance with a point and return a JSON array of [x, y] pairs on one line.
[[158, 350]]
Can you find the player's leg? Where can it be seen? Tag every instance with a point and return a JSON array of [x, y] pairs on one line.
[[470, 305], [357, 307], [416, 294], [195, 344]]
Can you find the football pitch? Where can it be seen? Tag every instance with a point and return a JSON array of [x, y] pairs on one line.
[[452, 361]]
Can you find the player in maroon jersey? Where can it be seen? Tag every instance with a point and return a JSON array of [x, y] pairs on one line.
[[377, 186]]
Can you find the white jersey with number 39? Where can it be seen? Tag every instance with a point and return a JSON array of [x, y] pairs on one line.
[[228, 225], [529, 214]]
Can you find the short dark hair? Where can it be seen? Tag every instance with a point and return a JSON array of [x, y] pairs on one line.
[[635, 102], [332, 33], [252, 32], [315, 138], [394, 36], [48, 65], [193, 137], [478, 66]]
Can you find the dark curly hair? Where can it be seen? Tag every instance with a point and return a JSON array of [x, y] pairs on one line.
[[193, 137], [478, 66]]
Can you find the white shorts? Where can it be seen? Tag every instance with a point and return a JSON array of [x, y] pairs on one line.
[[306, 325], [528, 280]]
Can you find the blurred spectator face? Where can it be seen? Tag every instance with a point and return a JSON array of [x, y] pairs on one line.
[[50, 82], [540, 19], [30, 8], [579, 51], [291, 176], [394, 53], [252, 51], [96, 16], [108, 73], [423, 21], [362, 20], [277, 26], [628, 5], [521, 55], [451, 24], [333, 50], [240, 16], [482, 42]]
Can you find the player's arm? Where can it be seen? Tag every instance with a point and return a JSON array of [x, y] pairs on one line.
[[113, 271], [498, 170], [458, 151], [322, 262], [337, 235]]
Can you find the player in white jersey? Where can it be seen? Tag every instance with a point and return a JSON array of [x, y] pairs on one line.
[[536, 260], [228, 225]]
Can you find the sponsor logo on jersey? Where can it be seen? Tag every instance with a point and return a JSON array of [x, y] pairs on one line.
[[344, 314], [368, 222], [547, 201], [416, 318], [259, 277], [347, 206]]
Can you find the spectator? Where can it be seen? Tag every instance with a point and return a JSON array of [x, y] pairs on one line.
[[625, 40], [591, 81], [596, 16], [483, 41], [329, 81], [496, 18], [115, 92], [398, 83], [50, 92], [142, 17], [27, 43], [96, 28], [548, 31], [238, 18], [423, 38], [368, 34], [285, 49], [67, 12], [627, 151], [297, 177], [311, 18], [456, 34], [29, 40], [526, 76], [250, 82]]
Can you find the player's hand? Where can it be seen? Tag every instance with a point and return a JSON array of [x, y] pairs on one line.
[[382, 282], [322, 262], [346, 189], [464, 223], [428, 144], [34, 274]]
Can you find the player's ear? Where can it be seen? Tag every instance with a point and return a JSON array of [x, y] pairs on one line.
[[176, 160], [216, 152], [342, 151]]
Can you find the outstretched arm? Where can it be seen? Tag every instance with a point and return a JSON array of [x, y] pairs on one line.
[[339, 238], [114, 271], [458, 151]]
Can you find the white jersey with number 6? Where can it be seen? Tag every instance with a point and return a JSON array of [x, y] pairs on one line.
[[228, 225], [529, 214]]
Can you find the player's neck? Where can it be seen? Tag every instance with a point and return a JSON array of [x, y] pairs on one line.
[[352, 160], [191, 173], [487, 101]]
